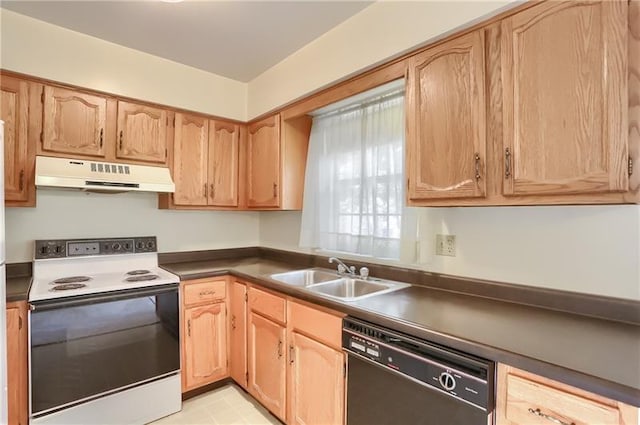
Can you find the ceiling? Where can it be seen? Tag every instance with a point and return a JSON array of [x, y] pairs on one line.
[[235, 39]]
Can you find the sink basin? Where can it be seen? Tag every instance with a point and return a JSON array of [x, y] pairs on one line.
[[349, 289], [305, 277]]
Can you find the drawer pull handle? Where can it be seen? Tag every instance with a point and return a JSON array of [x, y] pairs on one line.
[[291, 354], [189, 327], [279, 349], [507, 163], [537, 412], [477, 164], [203, 293], [233, 321]]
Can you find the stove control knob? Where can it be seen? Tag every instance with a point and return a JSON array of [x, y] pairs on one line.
[[116, 246], [447, 381], [140, 245], [150, 245]]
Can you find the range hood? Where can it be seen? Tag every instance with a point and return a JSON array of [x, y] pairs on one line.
[[101, 176]]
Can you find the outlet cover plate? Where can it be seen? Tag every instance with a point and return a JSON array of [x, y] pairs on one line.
[[446, 245]]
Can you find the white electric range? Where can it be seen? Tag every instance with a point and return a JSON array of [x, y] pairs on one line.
[[104, 333]]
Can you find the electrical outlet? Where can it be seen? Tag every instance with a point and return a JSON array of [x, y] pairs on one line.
[[446, 245]]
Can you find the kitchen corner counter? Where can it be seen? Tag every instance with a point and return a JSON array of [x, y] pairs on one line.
[[18, 288], [594, 354]]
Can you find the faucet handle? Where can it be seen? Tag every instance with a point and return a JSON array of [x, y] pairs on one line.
[[341, 269], [364, 273], [352, 270]]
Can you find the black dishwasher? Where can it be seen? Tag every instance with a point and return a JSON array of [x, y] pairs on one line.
[[395, 379]]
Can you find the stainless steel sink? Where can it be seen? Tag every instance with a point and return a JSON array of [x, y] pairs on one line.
[[349, 289], [305, 277]]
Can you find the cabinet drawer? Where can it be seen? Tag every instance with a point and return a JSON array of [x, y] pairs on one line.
[[267, 304], [199, 292], [530, 402], [323, 326]]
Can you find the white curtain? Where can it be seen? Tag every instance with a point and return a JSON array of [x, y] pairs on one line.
[[354, 183]]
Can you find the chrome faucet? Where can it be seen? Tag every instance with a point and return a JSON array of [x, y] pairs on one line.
[[342, 267]]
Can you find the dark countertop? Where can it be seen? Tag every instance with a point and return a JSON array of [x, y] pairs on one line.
[[18, 288], [597, 355]]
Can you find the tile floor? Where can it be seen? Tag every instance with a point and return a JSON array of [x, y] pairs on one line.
[[228, 405]]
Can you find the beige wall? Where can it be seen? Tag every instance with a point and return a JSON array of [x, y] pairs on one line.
[[381, 31], [37, 48], [74, 214], [589, 249]]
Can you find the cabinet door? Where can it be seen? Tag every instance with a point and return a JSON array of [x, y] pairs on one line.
[[446, 120], [190, 153], [73, 122], [564, 76], [224, 148], [205, 344], [238, 331], [142, 133], [17, 365], [316, 383], [263, 152], [267, 363], [14, 110]]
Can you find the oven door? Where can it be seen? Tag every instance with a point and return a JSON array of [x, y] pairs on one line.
[[85, 347]]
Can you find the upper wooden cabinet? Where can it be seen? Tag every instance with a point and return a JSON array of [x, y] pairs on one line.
[[263, 156], [206, 162], [224, 162], [564, 76], [445, 104], [73, 122], [276, 162], [142, 133], [19, 155], [190, 160]]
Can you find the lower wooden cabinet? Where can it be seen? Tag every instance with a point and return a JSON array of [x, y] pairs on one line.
[[267, 363], [238, 332], [204, 334], [17, 375], [527, 399]]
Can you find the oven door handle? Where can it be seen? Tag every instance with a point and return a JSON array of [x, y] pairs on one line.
[[57, 303]]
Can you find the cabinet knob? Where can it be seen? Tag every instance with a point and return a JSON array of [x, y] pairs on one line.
[[477, 163], [101, 134], [275, 190], [121, 139], [507, 163], [291, 354], [280, 349], [189, 327], [21, 180]]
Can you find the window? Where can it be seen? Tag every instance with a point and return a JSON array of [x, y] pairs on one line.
[[354, 191]]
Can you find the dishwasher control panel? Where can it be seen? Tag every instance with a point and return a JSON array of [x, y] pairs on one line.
[[461, 376]]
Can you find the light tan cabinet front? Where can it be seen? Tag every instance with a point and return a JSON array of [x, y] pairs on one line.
[[267, 363], [238, 332], [224, 150], [14, 111], [142, 133], [17, 377], [190, 160], [316, 384], [74, 123], [263, 166], [205, 345], [445, 104], [527, 399], [564, 76]]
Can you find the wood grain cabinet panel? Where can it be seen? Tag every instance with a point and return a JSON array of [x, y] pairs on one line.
[[316, 382], [205, 344], [224, 150], [238, 332], [527, 399], [14, 110], [263, 166], [565, 99], [446, 120], [17, 375], [73, 122], [267, 363], [190, 165], [142, 133]]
